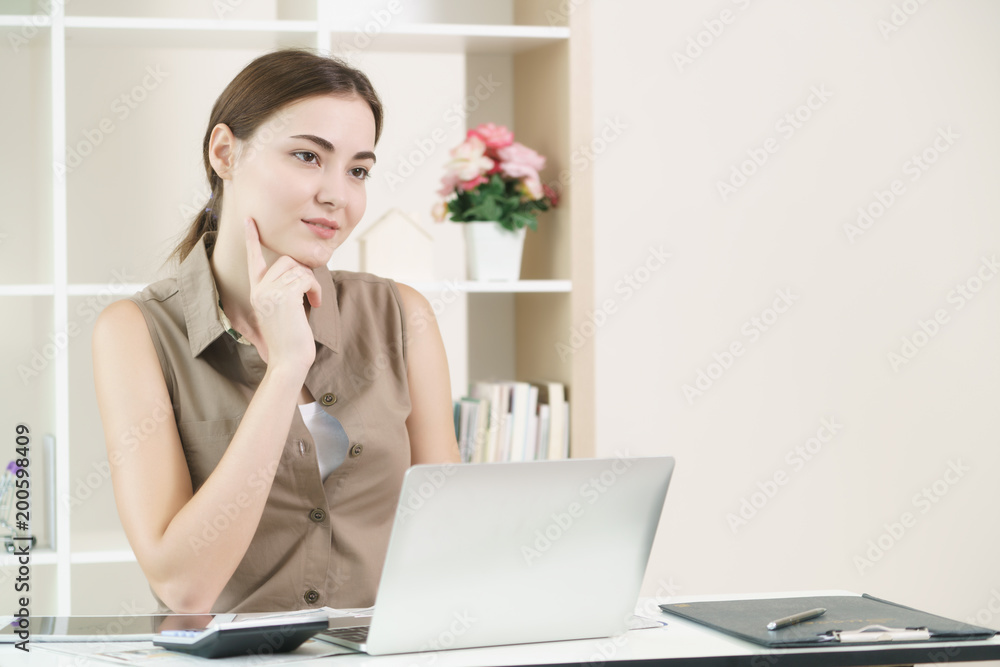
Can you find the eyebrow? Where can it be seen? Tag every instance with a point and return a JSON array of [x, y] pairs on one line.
[[327, 146]]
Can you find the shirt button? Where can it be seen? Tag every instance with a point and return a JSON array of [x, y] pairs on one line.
[[328, 399], [311, 596], [356, 449], [317, 514]]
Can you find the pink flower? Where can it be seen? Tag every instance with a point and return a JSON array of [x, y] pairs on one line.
[[468, 161], [516, 157], [551, 194], [494, 136], [533, 187], [439, 212], [448, 184], [471, 183]]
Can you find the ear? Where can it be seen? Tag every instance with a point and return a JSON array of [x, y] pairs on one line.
[[223, 151]]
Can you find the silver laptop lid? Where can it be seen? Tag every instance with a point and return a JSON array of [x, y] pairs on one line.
[[508, 553]]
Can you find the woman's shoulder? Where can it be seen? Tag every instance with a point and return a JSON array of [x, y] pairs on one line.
[[158, 290], [370, 285], [361, 285]]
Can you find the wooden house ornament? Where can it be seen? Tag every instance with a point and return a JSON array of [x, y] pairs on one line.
[[396, 247]]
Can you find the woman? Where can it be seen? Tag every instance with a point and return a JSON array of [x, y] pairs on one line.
[[299, 395]]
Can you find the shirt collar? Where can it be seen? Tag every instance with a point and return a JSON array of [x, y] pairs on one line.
[[206, 321]]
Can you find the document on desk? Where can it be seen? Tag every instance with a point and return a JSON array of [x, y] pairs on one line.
[[856, 619], [144, 653]]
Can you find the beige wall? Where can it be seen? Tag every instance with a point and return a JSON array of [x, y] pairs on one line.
[[674, 130]]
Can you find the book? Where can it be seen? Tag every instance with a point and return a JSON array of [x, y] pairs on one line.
[[492, 393], [531, 432], [542, 451], [521, 421], [472, 428], [554, 395]]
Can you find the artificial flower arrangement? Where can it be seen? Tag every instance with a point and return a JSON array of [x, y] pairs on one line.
[[491, 177]]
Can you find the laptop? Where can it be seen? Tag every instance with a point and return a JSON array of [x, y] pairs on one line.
[[491, 554]]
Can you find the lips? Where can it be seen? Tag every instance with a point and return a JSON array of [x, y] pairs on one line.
[[322, 222]]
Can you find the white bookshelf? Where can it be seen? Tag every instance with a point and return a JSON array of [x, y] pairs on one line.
[[46, 284], [427, 288]]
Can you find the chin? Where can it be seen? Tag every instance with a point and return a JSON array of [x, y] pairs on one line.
[[316, 257]]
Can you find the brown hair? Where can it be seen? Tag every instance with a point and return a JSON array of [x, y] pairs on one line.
[[265, 86]]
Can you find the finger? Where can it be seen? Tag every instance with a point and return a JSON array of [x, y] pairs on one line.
[[256, 266], [295, 274], [306, 281], [314, 293]]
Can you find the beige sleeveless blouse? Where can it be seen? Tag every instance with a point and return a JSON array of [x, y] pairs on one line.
[[318, 543]]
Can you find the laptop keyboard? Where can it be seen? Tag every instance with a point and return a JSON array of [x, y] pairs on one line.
[[356, 634]]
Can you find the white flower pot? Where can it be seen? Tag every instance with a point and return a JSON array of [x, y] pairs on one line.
[[492, 252]]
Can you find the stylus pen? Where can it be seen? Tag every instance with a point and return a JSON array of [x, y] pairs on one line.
[[795, 618]]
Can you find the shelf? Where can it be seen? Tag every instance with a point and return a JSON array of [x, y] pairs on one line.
[[112, 32], [26, 20], [48, 557], [502, 287], [456, 38], [471, 286], [109, 556], [101, 547], [44, 556], [231, 34], [27, 290]]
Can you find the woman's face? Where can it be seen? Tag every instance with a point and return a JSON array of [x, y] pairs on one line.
[[309, 161]]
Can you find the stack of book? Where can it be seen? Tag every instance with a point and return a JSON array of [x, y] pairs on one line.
[[513, 421]]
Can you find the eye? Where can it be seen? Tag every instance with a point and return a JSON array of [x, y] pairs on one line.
[[361, 173], [309, 153]]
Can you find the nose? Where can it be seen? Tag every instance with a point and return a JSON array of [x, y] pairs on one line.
[[331, 193]]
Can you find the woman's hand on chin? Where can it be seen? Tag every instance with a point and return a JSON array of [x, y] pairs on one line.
[[276, 294]]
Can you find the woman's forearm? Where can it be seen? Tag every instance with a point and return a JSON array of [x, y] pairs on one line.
[[192, 570]]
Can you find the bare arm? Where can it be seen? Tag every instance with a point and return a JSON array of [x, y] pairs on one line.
[[162, 518], [430, 425]]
